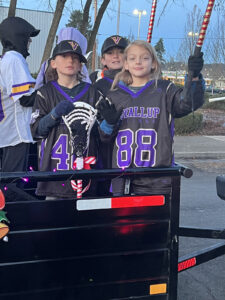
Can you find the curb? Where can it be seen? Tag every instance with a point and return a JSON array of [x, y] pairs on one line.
[[200, 155]]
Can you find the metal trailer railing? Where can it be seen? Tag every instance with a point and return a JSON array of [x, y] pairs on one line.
[[97, 249]]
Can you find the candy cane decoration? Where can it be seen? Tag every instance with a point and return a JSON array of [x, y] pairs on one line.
[[151, 22], [204, 27], [4, 228], [78, 164], [2, 200]]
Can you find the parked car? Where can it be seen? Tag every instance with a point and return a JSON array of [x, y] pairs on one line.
[[214, 90]]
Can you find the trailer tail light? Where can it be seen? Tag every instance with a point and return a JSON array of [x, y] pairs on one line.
[[186, 264], [158, 289], [121, 202]]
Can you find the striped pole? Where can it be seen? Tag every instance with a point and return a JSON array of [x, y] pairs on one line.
[[151, 22], [79, 188], [79, 164], [204, 27]]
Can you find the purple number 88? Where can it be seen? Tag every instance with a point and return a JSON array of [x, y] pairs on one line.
[[138, 147]]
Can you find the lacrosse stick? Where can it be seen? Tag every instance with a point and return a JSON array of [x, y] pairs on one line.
[[151, 22], [79, 123], [204, 27], [102, 97]]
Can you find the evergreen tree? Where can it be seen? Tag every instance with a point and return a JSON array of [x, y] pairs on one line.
[[76, 19], [160, 50]]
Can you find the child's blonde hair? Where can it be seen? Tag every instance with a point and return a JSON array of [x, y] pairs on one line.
[[125, 75]]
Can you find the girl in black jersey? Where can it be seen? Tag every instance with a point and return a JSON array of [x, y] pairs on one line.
[[54, 100], [140, 112], [112, 60]]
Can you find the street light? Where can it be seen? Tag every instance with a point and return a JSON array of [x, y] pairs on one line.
[[139, 13], [193, 36], [118, 18]]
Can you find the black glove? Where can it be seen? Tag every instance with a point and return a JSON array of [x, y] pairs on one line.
[[28, 101], [195, 64], [109, 112], [64, 107]]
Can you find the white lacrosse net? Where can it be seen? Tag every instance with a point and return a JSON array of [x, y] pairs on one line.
[[80, 122]]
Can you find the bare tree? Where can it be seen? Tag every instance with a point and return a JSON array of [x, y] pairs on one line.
[[99, 16], [85, 16], [52, 32], [219, 5], [12, 8], [56, 19], [222, 42], [216, 50], [191, 30], [216, 45]]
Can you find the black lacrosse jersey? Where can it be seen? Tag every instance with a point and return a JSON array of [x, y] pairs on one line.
[[55, 151], [103, 85], [145, 134]]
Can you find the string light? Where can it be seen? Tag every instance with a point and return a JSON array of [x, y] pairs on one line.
[[25, 179]]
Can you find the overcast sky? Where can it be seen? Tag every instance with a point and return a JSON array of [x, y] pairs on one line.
[[170, 26]]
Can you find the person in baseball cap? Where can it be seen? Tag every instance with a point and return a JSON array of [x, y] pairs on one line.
[[114, 41], [54, 100], [111, 57], [65, 33], [68, 46]]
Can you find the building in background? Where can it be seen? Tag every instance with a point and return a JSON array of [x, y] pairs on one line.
[[39, 19]]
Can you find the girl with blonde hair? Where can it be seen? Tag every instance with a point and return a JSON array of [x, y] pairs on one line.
[[126, 76], [139, 112]]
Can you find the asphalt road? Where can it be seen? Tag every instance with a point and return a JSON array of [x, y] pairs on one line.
[[201, 207]]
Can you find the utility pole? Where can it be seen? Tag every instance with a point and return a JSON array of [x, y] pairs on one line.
[[94, 48], [118, 18], [12, 8]]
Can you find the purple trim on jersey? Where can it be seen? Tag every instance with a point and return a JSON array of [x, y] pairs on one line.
[[107, 78], [85, 89], [61, 91], [19, 93], [135, 95], [21, 84], [1, 109], [24, 83], [77, 97]]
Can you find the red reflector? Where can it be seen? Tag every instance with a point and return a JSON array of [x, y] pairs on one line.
[[186, 264], [120, 202], [137, 201]]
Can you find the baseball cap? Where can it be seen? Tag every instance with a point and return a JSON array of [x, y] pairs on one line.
[[114, 41], [68, 46]]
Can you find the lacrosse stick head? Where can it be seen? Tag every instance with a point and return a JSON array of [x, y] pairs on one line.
[[80, 122]]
